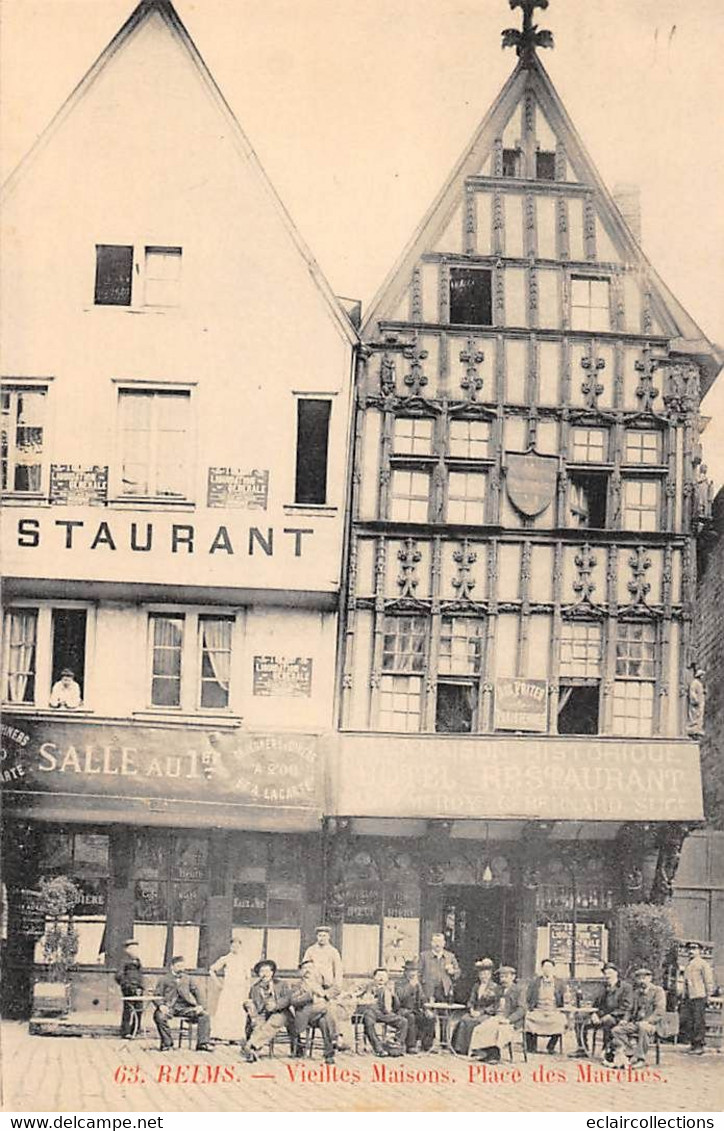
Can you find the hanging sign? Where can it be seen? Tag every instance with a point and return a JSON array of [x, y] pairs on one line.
[[530, 480], [521, 704]]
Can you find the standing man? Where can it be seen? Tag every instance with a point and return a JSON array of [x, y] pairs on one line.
[[632, 1038], [439, 970], [411, 999], [381, 1006], [130, 978], [181, 996], [698, 987]]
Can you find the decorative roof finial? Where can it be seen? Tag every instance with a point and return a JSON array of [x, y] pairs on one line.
[[526, 41]]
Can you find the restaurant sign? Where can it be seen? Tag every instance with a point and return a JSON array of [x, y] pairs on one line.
[[235, 768]]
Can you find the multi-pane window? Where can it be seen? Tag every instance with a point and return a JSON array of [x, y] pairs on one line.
[[590, 305], [409, 495], [633, 689], [154, 430], [167, 639], [581, 650], [545, 165], [633, 708], [22, 438], [20, 659], [469, 439], [412, 436], [461, 646], [635, 651], [170, 894], [471, 300], [511, 162], [215, 654], [641, 504], [466, 497], [590, 445], [643, 447], [404, 653], [163, 276], [85, 858]]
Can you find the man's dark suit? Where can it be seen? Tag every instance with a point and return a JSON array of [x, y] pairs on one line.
[[613, 1004], [420, 1025], [182, 997], [312, 1005], [130, 979], [384, 1010], [269, 1008], [438, 974]]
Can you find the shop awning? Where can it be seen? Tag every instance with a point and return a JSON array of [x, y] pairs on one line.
[[515, 778]]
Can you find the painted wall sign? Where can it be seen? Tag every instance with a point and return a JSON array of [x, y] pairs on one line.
[[277, 675], [231, 487], [93, 898], [547, 778], [71, 484], [248, 905], [521, 704], [363, 902], [589, 943], [27, 912], [530, 480], [236, 768]]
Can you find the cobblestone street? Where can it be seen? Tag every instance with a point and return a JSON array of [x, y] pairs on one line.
[[85, 1075]]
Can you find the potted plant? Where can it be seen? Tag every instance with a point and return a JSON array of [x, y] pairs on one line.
[[646, 933], [57, 898]]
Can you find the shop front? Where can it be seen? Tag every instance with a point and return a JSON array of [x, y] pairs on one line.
[[178, 836]]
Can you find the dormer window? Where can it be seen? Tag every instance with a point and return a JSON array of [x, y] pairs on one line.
[[545, 165]]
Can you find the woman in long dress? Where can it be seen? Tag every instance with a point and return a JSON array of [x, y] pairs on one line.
[[477, 1030], [229, 1020]]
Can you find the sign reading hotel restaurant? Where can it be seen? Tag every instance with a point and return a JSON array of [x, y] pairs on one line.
[[236, 768], [507, 778], [277, 675], [521, 704], [231, 487]]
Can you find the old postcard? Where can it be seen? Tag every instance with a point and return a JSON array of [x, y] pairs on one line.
[[361, 667]]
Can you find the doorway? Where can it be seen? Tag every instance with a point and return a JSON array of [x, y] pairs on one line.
[[480, 923]]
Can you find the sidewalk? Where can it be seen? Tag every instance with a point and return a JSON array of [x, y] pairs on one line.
[[74, 1074]]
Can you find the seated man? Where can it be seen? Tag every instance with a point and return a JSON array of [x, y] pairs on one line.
[[181, 997], [130, 978], [411, 1001], [269, 1010], [379, 1004], [545, 1017], [313, 1004], [612, 1005], [632, 1038], [512, 1003]]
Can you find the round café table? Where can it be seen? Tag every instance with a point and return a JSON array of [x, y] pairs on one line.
[[445, 1013]]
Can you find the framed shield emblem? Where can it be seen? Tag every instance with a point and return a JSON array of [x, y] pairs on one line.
[[530, 480]]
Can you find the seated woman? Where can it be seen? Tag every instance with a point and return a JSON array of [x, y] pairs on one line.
[[545, 1016], [477, 1031]]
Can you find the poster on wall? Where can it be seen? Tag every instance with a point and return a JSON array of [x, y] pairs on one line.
[[590, 950], [278, 675], [521, 704], [400, 942], [74, 485], [236, 489]]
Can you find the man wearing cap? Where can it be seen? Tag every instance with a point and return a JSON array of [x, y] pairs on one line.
[[313, 1004], [632, 1037], [130, 978], [65, 692], [328, 962], [439, 970], [698, 986], [477, 1030], [411, 999], [613, 1004], [269, 1010], [181, 996], [512, 1000], [545, 1016], [380, 1006]]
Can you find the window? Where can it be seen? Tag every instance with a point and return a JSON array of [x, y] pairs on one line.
[[413, 436], [581, 650], [114, 274], [154, 433], [22, 438], [40, 645], [643, 447], [461, 655], [409, 495], [190, 660], [578, 707], [545, 165], [470, 296], [466, 497], [20, 659], [469, 439], [633, 709], [163, 276], [590, 445], [404, 652], [587, 500], [171, 888], [167, 648], [85, 858], [633, 689], [641, 504], [455, 707], [312, 449], [511, 162], [158, 275], [590, 308]]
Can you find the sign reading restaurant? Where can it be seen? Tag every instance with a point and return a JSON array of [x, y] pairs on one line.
[[232, 767]]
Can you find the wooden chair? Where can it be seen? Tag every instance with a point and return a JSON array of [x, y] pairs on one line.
[[186, 1028]]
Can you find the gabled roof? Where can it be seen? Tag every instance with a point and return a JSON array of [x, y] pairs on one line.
[[167, 11], [531, 75]]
